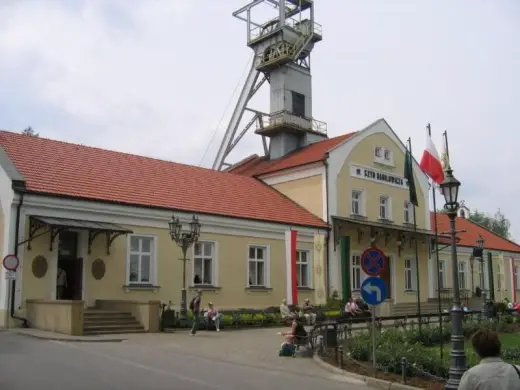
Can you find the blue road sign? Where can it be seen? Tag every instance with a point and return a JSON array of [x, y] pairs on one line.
[[373, 261], [373, 291]]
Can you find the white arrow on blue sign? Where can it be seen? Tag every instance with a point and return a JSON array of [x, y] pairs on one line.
[[373, 291]]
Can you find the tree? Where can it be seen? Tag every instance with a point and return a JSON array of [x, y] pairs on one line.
[[30, 132], [497, 223]]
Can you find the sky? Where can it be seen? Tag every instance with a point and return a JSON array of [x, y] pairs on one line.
[[160, 78]]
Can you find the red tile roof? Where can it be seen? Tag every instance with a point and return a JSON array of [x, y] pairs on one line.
[[471, 234], [61, 168], [255, 165]]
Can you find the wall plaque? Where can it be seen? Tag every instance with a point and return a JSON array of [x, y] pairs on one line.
[[98, 269], [39, 266]]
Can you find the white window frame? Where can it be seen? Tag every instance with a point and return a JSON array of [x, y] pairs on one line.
[[407, 212], [384, 156], [214, 263], [354, 268], [463, 275], [153, 259], [388, 216], [499, 278], [361, 202], [387, 155], [267, 266], [378, 152], [517, 269], [308, 264], [410, 274], [443, 278]]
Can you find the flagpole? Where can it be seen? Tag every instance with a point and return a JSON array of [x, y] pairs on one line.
[[416, 245], [436, 248]]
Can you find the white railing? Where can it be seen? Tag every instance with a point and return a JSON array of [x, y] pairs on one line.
[[286, 118], [302, 26], [319, 126]]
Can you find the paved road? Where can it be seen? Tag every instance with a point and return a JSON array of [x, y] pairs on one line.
[[208, 361]]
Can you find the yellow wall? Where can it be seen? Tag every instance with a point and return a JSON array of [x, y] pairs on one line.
[[232, 262], [397, 265], [363, 154], [308, 192]]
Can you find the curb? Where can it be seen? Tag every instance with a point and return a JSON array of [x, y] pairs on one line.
[[369, 381], [71, 339]]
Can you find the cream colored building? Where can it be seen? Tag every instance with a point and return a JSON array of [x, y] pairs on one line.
[[102, 217], [355, 182]]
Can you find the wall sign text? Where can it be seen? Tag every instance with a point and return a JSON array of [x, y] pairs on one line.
[[378, 176]]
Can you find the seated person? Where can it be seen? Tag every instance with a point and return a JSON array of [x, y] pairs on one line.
[[213, 315], [308, 312], [285, 312], [352, 308], [296, 334]]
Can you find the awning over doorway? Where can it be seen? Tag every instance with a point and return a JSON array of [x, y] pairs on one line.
[[40, 225], [387, 230]]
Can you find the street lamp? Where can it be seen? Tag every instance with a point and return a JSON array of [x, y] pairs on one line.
[[184, 240], [478, 252], [450, 190]]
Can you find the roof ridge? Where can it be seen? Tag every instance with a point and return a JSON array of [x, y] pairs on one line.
[[492, 232]]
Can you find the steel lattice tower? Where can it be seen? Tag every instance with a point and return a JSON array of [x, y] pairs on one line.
[[282, 48]]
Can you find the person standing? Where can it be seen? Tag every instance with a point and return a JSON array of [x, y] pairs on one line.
[[61, 283], [195, 311]]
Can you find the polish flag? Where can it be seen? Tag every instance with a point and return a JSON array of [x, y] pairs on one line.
[[431, 162], [290, 261]]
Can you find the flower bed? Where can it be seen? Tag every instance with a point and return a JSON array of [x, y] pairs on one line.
[[416, 354]]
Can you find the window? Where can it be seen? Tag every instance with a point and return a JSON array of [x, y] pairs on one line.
[[303, 268], [442, 274], [378, 151], [356, 202], [407, 212], [258, 266], [410, 281], [517, 271], [499, 278], [298, 104], [383, 207], [140, 259], [388, 155], [204, 263], [356, 272], [462, 275]]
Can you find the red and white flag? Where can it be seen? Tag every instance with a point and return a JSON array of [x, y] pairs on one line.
[[431, 162]]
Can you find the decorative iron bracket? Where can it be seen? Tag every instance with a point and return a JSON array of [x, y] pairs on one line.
[[92, 234], [111, 236], [359, 235], [34, 227], [54, 233]]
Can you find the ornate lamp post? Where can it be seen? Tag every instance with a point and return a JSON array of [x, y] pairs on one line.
[[450, 190], [184, 240], [479, 253]]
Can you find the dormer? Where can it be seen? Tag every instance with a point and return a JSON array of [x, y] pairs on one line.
[[463, 211], [384, 156]]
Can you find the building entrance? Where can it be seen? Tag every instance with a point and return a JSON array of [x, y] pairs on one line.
[[69, 282]]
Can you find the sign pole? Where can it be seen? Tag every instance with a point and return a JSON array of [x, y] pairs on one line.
[[374, 336]]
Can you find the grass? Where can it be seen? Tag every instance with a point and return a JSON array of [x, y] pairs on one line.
[[508, 340]]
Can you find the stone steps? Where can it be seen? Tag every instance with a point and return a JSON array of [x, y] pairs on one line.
[[97, 322]]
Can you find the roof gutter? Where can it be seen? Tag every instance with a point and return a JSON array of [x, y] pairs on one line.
[[25, 323]]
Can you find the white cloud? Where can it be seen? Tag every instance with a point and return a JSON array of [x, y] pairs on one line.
[[154, 77]]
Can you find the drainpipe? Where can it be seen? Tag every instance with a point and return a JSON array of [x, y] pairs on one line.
[[327, 240], [24, 321]]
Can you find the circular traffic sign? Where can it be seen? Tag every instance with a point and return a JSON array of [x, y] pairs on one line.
[[11, 262], [373, 261]]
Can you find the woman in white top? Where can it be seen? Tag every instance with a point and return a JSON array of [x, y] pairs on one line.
[[492, 373]]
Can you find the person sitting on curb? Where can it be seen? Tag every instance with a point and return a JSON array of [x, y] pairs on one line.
[[352, 308], [492, 373], [297, 332]]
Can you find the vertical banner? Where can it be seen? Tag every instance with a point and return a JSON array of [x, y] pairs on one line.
[[318, 277], [514, 284], [294, 236], [346, 292], [290, 261]]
